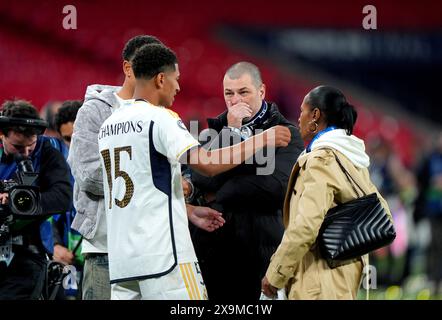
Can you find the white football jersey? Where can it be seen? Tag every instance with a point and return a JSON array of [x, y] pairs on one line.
[[140, 145]]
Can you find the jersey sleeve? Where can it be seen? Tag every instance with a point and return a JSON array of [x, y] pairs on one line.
[[171, 137]]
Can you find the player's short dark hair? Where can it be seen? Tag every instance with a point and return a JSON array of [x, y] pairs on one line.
[[152, 59], [135, 43], [20, 109], [67, 113]]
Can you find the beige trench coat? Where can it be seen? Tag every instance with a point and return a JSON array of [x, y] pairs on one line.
[[316, 184]]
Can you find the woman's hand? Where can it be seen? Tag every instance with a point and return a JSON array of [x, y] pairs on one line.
[[266, 288]]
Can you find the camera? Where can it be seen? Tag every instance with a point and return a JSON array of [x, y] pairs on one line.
[[23, 197]]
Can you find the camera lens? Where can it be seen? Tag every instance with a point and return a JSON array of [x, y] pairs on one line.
[[23, 201]]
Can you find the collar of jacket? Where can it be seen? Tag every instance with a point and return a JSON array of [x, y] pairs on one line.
[[220, 121]]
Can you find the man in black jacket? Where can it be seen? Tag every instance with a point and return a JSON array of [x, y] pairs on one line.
[[20, 133], [234, 258]]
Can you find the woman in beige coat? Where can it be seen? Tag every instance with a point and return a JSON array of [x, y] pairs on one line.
[[317, 184]]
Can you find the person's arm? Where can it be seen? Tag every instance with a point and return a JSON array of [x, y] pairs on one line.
[[320, 185], [263, 190], [84, 156], [57, 229], [61, 253], [211, 163], [173, 140]]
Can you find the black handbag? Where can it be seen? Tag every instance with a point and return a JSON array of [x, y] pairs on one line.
[[354, 228]]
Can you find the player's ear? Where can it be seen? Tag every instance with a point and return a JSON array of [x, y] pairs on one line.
[[159, 80], [127, 68]]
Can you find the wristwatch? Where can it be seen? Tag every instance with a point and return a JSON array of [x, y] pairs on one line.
[[244, 132], [236, 130]]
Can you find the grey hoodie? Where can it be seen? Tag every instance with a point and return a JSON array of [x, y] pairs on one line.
[[84, 159]]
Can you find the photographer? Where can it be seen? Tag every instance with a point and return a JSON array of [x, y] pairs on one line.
[[20, 134]]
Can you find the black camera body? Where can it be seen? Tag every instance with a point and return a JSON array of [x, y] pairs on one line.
[[23, 197]]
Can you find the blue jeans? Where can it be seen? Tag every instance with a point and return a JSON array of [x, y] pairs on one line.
[[96, 282]]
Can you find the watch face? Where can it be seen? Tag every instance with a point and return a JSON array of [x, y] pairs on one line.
[[246, 132]]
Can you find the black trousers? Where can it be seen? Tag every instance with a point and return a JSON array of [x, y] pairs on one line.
[[230, 268], [24, 278]]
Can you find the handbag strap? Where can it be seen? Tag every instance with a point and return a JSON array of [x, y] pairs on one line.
[[349, 177], [353, 183]]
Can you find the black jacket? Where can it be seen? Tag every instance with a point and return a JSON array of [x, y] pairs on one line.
[[252, 207], [54, 181]]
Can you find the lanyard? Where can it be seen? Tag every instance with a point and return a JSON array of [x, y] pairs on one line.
[[320, 133]]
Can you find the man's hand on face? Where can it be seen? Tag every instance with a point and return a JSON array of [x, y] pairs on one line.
[[237, 112]]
